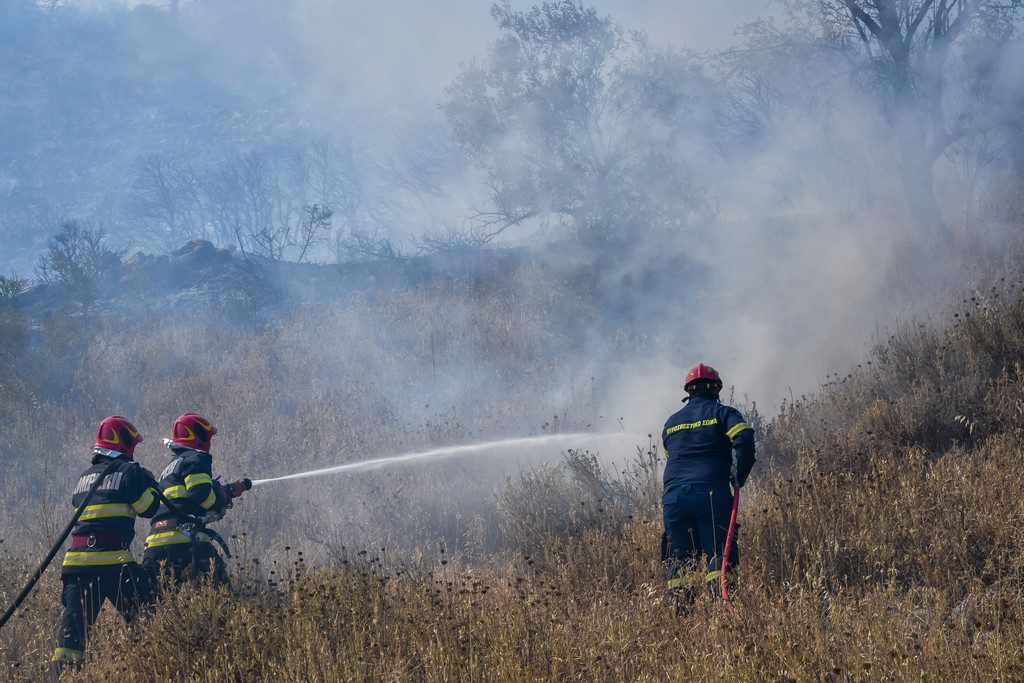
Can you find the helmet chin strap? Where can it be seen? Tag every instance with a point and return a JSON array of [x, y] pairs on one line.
[[106, 452], [710, 394], [171, 443]]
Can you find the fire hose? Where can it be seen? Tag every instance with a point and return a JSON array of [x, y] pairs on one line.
[[730, 541], [56, 546], [190, 525]]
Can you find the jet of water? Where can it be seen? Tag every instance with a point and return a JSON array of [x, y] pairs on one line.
[[451, 451]]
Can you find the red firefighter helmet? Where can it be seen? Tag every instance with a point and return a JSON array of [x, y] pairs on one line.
[[118, 434], [705, 373], [193, 431]]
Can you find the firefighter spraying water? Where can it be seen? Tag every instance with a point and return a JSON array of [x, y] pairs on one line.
[[180, 543], [707, 444], [115, 490], [109, 495]]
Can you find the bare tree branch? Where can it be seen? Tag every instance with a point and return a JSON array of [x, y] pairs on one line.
[[861, 15]]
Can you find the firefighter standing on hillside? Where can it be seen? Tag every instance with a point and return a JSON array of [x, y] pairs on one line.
[[708, 446], [99, 565], [189, 485]]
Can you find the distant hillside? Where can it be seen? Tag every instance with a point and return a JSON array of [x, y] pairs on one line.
[[200, 275]]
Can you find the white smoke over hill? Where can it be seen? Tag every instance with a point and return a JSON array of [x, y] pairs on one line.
[[754, 204]]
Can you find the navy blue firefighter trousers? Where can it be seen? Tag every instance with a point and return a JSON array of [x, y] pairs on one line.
[[696, 525]]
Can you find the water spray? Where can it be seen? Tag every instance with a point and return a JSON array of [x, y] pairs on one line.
[[447, 452]]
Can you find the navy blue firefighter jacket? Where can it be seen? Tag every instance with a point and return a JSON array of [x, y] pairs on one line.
[[703, 441]]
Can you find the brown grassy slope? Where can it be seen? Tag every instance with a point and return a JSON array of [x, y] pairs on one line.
[[883, 538], [908, 601]]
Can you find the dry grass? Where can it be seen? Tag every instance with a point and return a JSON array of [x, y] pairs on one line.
[[906, 580], [882, 538]]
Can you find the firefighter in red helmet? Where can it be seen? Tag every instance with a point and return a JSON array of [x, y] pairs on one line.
[[189, 485], [708, 446], [99, 565]]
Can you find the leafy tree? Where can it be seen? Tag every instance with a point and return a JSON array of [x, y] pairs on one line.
[[571, 120], [925, 64]]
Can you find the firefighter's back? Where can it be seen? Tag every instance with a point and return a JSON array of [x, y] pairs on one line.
[[697, 445]]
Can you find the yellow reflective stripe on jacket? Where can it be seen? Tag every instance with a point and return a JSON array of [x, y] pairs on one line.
[[675, 583], [166, 538], [176, 492], [736, 430], [717, 574], [66, 654], [144, 501], [197, 480], [210, 500], [97, 558], [107, 510]]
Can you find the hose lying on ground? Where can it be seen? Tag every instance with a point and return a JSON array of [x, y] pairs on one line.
[[57, 546]]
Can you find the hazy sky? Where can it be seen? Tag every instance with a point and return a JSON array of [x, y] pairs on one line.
[[399, 48], [405, 50]]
